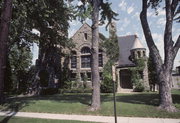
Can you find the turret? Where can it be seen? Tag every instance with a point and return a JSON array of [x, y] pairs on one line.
[[138, 51]]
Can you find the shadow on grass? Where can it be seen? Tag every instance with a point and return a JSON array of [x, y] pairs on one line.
[[147, 99], [16, 104], [12, 106]]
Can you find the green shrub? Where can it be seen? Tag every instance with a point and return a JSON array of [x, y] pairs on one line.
[[136, 78], [107, 84], [67, 85], [138, 85]]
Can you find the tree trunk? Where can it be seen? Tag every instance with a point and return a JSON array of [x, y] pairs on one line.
[[165, 91], [95, 105], [4, 30]]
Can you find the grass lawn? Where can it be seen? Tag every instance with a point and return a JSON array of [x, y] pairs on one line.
[[135, 105], [35, 120]]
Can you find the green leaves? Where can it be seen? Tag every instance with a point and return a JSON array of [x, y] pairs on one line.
[[84, 11], [111, 44], [107, 13]]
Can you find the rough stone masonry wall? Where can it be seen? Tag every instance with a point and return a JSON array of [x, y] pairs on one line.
[[80, 42]]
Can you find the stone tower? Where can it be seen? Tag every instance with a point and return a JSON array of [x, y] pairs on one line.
[[139, 52]]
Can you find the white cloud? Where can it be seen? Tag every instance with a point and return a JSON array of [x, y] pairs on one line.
[[136, 15], [128, 33], [161, 12], [130, 9], [158, 39], [74, 22], [161, 21], [125, 22], [123, 5], [71, 32], [79, 3], [121, 29], [150, 13]]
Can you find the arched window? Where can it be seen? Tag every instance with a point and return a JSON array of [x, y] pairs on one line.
[[144, 53], [139, 54], [85, 57], [85, 50], [100, 58], [73, 59]]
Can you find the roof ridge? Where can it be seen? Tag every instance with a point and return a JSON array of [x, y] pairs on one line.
[[126, 35], [80, 28]]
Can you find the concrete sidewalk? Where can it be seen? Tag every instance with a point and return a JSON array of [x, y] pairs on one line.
[[103, 119]]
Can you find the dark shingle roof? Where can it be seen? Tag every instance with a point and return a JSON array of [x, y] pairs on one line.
[[125, 45]]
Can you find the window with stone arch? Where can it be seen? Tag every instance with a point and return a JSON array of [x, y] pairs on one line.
[[73, 59], [85, 57]]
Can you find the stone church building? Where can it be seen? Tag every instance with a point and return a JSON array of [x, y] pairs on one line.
[[80, 61]]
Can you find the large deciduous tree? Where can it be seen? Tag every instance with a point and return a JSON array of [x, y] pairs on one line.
[[18, 51], [163, 68], [4, 30], [96, 8], [50, 18], [95, 105]]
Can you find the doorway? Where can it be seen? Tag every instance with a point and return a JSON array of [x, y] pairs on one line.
[[125, 79]]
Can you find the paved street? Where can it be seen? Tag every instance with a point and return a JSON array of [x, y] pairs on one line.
[[103, 119]]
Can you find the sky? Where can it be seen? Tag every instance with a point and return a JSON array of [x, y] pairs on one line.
[[128, 23]]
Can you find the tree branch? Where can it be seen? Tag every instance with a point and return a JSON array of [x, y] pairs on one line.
[[173, 7], [147, 32], [176, 46], [168, 42]]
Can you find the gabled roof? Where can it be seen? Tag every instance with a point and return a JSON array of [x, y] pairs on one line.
[[83, 25], [125, 45], [101, 36]]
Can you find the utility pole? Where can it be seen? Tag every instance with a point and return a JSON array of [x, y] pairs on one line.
[[114, 91]]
